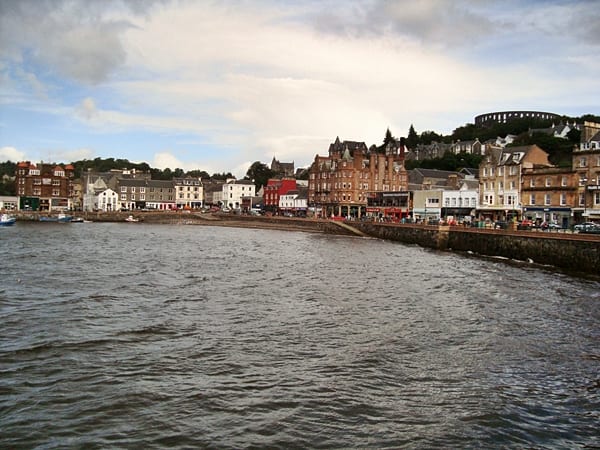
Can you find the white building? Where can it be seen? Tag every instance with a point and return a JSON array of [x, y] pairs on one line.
[[235, 190], [294, 201], [189, 192], [462, 203], [107, 200]]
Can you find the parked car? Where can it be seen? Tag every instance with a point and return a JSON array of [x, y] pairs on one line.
[[586, 226], [500, 225]]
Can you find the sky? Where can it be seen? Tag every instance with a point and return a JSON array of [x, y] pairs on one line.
[[216, 86]]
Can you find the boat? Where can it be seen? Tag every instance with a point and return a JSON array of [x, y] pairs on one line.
[[77, 220], [62, 218], [131, 219], [6, 220]]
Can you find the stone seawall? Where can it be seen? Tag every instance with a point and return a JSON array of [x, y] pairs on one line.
[[574, 252]]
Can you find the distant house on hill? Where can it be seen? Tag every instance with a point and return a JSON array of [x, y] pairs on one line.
[[558, 131], [473, 147], [283, 169]]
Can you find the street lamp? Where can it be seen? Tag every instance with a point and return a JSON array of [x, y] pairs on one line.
[[584, 181]]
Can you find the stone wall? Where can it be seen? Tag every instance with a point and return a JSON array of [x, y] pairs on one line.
[[574, 252]]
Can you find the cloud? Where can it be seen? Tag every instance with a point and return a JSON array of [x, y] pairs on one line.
[[230, 83], [11, 154], [87, 109], [80, 40]]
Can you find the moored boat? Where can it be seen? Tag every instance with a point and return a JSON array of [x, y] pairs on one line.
[[6, 220], [63, 218], [131, 219]]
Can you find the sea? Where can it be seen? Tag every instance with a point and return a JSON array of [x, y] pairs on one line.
[[142, 336]]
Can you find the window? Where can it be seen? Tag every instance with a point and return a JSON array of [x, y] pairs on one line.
[[142, 190], [583, 162], [548, 181], [547, 199], [563, 181], [532, 199], [123, 189], [123, 197], [563, 199], [581, 199]]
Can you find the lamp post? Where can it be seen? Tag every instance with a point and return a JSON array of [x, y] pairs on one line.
[[584, 180]]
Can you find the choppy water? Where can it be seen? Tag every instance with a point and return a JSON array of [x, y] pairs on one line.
[[151, 336]]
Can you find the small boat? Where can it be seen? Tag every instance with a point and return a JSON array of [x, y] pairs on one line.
[[62, 218], [77, 220], [6, 220], [131, 219]]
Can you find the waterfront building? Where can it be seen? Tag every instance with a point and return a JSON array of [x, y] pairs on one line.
[[274, 190], [341, 182], [145, 193], [189, 192], [427, 205], [9, 203], [107, 200], [44, 187], [500, 179], [213, 192], [460, 203], [548, 194], [235, 190], [586, 164], [294, 202]]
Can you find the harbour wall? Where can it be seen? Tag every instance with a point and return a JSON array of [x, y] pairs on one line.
[[569, 251]]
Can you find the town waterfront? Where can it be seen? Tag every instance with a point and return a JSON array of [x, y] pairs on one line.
[[153, 336]]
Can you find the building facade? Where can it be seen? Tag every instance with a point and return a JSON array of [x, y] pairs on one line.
[[548, 194], [586, 164], [44, 187], [234, 191], [274, 190], [189, 193], [500, 179], [341, 182]]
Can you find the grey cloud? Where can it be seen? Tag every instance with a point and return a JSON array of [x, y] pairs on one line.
[[73, 38], [432, 21]]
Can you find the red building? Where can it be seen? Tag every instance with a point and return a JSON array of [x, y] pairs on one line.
[[274, 189], [44, 187]]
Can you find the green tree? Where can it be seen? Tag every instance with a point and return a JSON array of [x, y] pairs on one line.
[[198, 174], [412, 139], [260, 173]]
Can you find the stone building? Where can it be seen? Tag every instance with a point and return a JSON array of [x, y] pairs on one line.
[[44, 187], [500, 179], [341, 182], [586, 164]]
